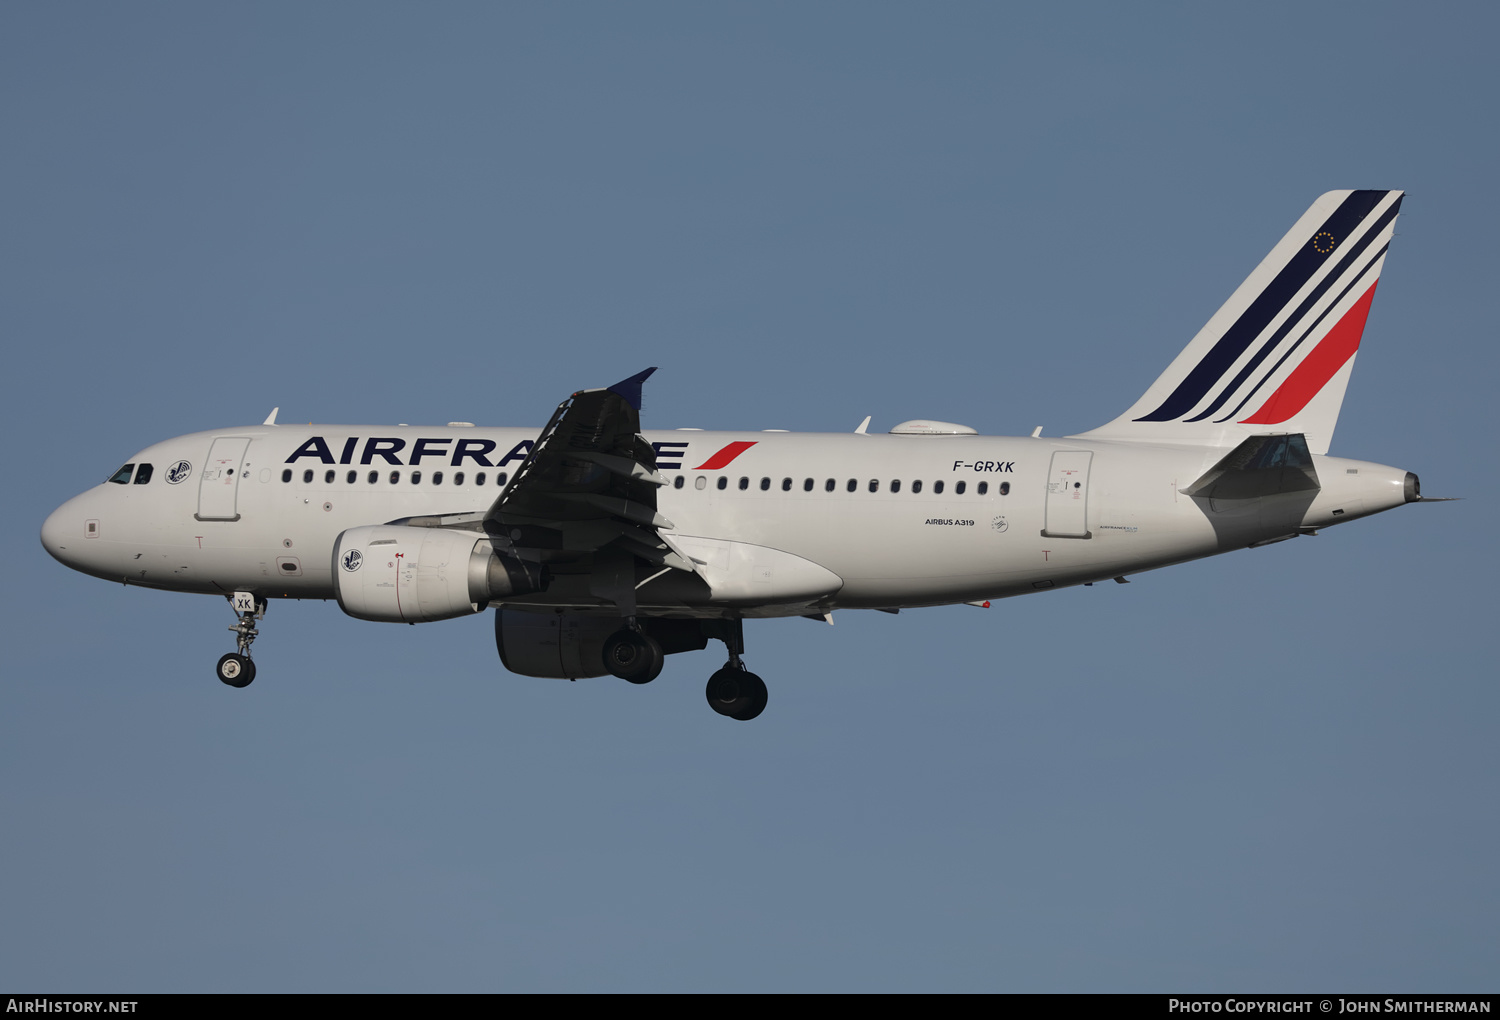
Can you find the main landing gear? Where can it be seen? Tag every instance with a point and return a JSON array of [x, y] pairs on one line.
[[736, 692], [633, 654], [237, 669], [733, 690]]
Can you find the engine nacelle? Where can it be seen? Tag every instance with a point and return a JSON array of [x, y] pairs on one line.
[[392, 573], [570, 645], [562, 645]]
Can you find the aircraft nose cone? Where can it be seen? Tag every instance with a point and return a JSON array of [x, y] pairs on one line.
[[63, 534], [53, 534]]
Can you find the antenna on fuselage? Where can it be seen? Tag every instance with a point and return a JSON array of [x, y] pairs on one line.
[[271, 418]]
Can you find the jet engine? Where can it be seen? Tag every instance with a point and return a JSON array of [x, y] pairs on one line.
[[558, 644], [394, 573], [570, 645]]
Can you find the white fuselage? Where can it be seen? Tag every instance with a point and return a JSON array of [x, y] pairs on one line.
[[1052, 513]]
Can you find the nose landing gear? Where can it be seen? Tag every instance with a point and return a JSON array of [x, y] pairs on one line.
[[237, 669]]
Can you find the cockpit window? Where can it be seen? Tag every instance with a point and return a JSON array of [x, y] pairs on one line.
[[122, 476], [143, 475]]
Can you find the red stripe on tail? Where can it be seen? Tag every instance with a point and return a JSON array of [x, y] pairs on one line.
[[1332, 352]]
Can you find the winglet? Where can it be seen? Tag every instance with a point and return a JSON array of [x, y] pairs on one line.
[[271, 418], [630, 388]]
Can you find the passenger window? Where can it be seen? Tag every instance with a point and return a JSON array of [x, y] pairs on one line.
[[765, 484], [374, 477], [723, 482], [1005, 488], [807, 485], [874, 485], [916, 486], [829, 485], [984, 487], [437, 478], [679, 481], [744, 482], [286, 475], [937, 487], [143, 474], [349, 479], [786, 485], [895, 485], [395, 477], [328, 477], [122, 476], [500, 478], [307, 477], [699, 482], [959, 488], [479, 478], [416, 478], [458, 478]]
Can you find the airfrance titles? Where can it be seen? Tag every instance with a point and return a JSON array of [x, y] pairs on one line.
[[389, 450], [448, 449]]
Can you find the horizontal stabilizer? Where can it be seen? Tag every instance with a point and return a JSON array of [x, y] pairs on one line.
[[1260, 466]]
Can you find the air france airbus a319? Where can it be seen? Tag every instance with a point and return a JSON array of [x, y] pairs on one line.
[[603, 548]]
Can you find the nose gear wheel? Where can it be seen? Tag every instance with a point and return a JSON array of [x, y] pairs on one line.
[[237, 669]]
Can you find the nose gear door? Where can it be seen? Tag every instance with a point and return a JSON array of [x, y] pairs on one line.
[[219, 484]]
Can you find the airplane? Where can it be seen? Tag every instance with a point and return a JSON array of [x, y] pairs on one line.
[[604, 548]]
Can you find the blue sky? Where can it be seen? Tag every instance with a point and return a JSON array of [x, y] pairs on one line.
[[1274, 770]]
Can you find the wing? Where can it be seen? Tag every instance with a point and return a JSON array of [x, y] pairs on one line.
[[585, 497]]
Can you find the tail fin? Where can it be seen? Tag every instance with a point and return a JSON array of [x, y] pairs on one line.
[[1277, 356]]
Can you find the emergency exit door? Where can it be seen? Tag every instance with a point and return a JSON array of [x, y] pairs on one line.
[[218, 485], [1068, 495]]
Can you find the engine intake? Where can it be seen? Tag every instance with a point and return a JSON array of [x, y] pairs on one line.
[[398, 574]]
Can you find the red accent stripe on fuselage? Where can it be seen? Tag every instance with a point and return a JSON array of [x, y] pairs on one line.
[[724, 456]]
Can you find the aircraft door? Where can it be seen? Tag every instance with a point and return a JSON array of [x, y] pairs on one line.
[[1068, 495], [219, 484]]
